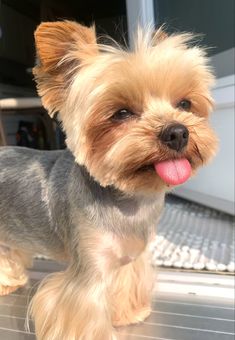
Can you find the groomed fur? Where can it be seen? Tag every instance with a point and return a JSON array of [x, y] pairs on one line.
[[150, 81], [94, 294], [96, 205], [13, 263], [66, 307], [130, 289]]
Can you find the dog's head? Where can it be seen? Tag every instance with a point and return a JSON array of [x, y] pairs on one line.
[[137, 120]]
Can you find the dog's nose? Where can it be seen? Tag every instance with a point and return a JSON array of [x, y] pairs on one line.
[[175, 136]]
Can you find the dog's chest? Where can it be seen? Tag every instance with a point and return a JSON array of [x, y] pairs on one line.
[[128, 223]]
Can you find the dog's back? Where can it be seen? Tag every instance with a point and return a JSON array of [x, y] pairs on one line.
[[26, 189]]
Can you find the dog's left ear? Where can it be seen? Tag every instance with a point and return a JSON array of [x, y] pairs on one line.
[[60, 47]]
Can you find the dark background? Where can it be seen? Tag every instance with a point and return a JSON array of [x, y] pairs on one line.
[[213, 18], [18, 20]]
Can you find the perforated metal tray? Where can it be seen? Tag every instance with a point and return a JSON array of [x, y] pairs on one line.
[[193, 237], [187, 316]]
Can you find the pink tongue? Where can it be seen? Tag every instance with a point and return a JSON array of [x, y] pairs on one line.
[[174, 172]]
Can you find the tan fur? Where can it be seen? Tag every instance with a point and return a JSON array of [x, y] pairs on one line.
[[74, 309], [53, 42], [12, 269], [150, 82], [74, 304], [142, 86], [109, 280], [130, 290]]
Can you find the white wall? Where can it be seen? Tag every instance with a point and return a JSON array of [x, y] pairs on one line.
[[214, 184]]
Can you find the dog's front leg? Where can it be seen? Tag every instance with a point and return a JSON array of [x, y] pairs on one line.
[[73, 305], [130, 291]]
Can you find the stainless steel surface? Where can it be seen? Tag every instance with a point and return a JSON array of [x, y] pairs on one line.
[[174, 316]]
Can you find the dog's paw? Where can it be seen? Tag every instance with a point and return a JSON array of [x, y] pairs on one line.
[[131, 317], [5, 290]]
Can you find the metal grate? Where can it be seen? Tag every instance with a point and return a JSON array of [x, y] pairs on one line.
[[191, 236]]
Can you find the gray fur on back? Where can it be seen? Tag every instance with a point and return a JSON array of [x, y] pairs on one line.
[[46, 199]]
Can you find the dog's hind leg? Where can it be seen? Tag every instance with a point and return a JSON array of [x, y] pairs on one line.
[[12, 269]]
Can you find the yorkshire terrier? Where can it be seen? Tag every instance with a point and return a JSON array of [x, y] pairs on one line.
[[137, 125]]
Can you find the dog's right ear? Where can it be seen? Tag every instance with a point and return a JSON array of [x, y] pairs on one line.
[[159, 35], [60, 47]]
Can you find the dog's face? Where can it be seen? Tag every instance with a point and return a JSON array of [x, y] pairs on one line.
[[137, 120]]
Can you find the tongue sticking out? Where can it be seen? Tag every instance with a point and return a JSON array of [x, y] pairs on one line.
[[174, 172]]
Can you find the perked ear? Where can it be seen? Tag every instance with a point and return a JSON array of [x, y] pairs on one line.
[[60, 47], [159, 35]]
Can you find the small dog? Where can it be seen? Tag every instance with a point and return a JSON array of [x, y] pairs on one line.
[[137, 125]]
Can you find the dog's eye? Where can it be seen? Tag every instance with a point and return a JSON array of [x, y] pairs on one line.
[[184, 104], [122, 114]]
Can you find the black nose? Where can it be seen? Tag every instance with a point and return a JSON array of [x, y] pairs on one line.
[[175, 136]]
